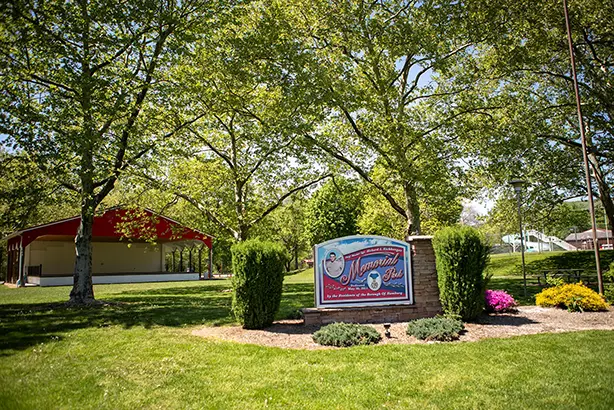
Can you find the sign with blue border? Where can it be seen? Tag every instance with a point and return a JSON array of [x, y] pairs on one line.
[[362, 271]]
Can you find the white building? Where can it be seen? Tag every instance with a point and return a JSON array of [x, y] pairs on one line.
[[535, 241]]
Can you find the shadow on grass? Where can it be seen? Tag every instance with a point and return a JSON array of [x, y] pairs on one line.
[[514, 286], [504, 320], [24, 325], [295, 296]]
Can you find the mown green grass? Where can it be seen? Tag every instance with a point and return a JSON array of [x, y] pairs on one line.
[[305, 276], [511, 264], [118, 368], [537, 263], [138, 352]]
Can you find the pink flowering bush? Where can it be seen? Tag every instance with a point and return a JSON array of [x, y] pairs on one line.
[[499, 301]]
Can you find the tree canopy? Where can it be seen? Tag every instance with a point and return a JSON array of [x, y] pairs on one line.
[[301, 121]]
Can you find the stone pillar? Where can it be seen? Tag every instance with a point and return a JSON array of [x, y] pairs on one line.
[[424, 276]]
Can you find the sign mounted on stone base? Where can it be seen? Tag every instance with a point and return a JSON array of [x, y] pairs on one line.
[[374, 279], [362, 271]]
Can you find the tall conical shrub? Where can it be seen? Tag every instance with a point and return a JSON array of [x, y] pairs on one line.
[[461, 255], [258, 276]]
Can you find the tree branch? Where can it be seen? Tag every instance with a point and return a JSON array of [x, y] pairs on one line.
[[366, 139], [123, 143], [219, 153], [363, 174], [286, 195], [265, 156]]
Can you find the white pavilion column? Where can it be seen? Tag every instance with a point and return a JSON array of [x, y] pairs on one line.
[[162, 258]]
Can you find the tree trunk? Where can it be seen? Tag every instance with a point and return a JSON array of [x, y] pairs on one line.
[[295, 259], [606, 200], [82, 292], [412, 209]]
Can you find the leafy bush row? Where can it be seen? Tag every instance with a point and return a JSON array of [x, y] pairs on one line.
[[257, 282], [346, 334], [443, 329], [573, 297]]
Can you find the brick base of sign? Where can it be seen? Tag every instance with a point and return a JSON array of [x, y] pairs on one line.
[[426, 295]]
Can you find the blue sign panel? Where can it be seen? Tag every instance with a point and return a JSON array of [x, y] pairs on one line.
[[362, 271]]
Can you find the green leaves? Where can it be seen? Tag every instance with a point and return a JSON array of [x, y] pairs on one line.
[[332, 212], [257, 282], [461, 255]]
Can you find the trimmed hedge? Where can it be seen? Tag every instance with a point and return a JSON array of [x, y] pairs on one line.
[[443, 329], [257, 282], [346, 334], [461, 254], [573, 297]]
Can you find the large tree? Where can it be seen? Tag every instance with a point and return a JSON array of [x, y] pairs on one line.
[[377, 66], [526, 58], [240, 160], [333, 211], [29, 197], [79, 80]]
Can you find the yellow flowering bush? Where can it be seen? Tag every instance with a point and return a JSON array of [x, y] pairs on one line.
[[574, 297]]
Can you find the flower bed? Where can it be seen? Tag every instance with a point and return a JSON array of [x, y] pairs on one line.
[[499, 301]]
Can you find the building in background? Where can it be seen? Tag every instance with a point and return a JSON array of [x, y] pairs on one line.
[[584, 240], [128, 246]]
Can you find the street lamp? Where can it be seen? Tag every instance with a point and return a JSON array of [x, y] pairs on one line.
[[518, 184]]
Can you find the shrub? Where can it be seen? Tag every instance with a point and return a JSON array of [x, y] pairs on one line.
[[608, 285], [443, 329], [346, 334], [499, 301], [574, 297], [554, 281], [461, 255], [257, 282]]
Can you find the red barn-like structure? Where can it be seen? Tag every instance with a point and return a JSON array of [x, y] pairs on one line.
[[128, 246]]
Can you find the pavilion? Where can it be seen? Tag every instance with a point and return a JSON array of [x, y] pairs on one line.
[[127, 246]]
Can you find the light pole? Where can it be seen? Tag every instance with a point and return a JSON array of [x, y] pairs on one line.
[[518, 184]]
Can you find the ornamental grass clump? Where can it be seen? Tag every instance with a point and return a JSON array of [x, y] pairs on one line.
[[573, 297], [441, 329], [499, 301], [346, 334]]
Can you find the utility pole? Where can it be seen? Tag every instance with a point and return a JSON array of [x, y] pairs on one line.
[[589, 188]]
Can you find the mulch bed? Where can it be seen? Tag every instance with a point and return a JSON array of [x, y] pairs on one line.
[[292, 334]]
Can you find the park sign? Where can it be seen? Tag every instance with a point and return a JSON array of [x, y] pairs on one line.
[[362, 271]]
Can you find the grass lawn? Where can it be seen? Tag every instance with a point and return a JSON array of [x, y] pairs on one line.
[[140, 354], [505, 264]]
